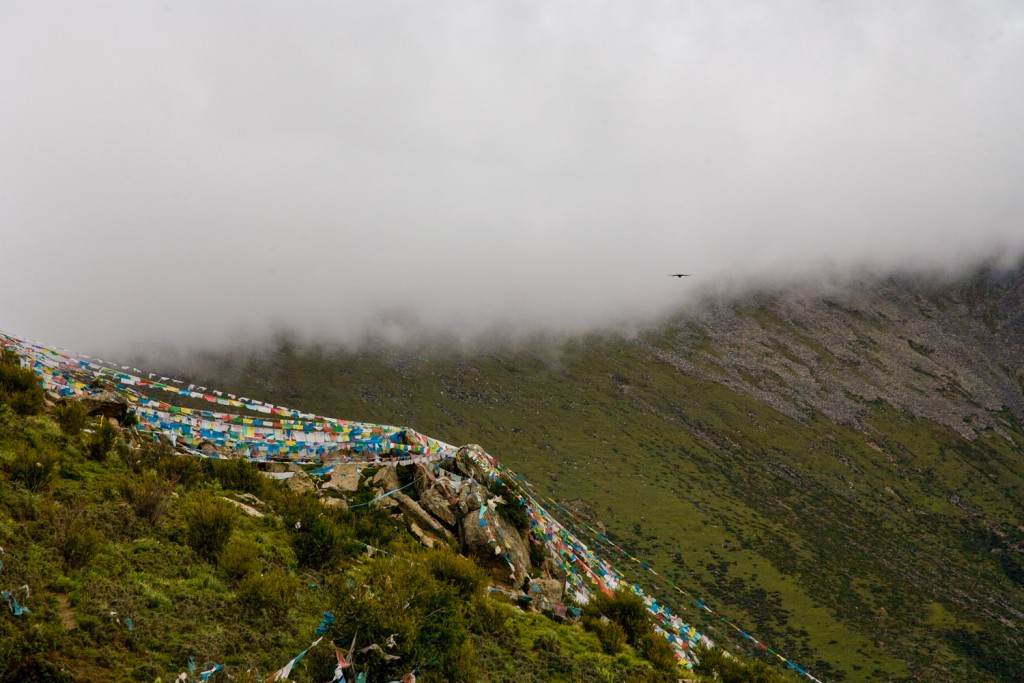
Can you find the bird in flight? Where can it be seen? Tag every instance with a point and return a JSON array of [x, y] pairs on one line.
[[679, 275]]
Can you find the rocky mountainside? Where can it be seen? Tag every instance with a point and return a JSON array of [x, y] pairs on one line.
[[949, 353], [839, 470]]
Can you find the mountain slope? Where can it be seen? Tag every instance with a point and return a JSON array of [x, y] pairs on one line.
[[840, 473]]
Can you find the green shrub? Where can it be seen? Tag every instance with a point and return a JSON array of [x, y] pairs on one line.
[[37, 669], [148, 494], [316, 539], [611, 635], [237, 475], [401, 596], [489, 617], [656, 649], [187, 470], [547, 642], [71, 416], [626, 609], [374, 526], [19, 386], [458, 572], [269, 594], [239, 558], [101, 440], [33, 468], [512, 512], [209, 522], [76, 537], [715, 665]]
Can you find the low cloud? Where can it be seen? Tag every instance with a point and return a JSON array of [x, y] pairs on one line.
[[201, 173]]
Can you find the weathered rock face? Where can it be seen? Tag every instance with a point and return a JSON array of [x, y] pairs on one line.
[[343, 479], [547, 589], [247, 509], [104, 404], [421, 516], [475, 542], [300, 482], [423, 478], [466, 464], [411, 438], [422, 536], [386, 478], [434, 503], [938, 354]]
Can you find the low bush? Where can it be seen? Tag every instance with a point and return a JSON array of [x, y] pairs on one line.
[[102, 439], [19, 386], [239, 558], [656, 649], [209, 522], [626, 609], [268, 594], [715, 665], [71, 416], [317, 539], [461, 574], [148, 494], [611, 635], [512, 512], [402, 600], [33, 468], [238, 475], [187, 470], [76, 538]]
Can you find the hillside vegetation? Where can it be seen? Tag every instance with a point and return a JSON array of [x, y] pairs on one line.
[[123, 560], [840, 474]]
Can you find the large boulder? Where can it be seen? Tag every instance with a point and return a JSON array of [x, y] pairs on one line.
[[423, 478], [433, 502], [413, 438], [104, 404], [423, 518], [467, 461], [422, 536], [300, 482], [386, 478], [343, 479], [546, 589], [507, 541]]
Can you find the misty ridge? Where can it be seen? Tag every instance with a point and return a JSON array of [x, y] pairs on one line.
[[901, 299]]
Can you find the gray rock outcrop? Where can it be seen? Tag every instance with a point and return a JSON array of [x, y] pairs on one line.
[[103, 404], [344, 479], [423, 518], [507, 541]]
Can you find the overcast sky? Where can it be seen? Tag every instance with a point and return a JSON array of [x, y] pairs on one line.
[[195, 171]]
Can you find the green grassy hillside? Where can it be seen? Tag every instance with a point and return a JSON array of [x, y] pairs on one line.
[[878, 542], [125, 561]]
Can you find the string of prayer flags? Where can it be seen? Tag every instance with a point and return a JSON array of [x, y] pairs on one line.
[[12, 603], [285, 671], [325, 623], [205, 675], [339, 670], [292, 435]]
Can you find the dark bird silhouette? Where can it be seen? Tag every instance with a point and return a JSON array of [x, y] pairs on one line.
[[679, 275]]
